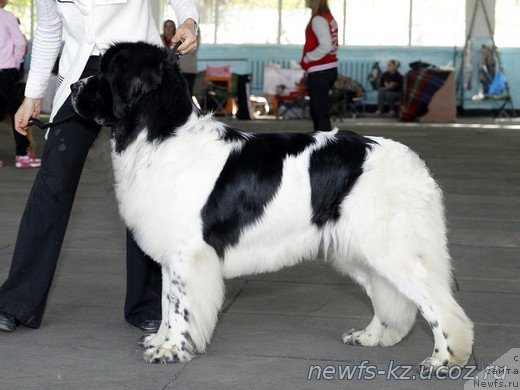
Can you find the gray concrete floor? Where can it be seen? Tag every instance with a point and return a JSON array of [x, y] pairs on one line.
[[273, 326]]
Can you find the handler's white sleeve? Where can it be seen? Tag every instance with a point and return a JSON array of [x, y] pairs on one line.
[[185, 9], [45, 48], [321, 28]]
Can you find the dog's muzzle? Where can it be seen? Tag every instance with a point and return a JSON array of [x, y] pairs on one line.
[[76, 89], [78, 86]]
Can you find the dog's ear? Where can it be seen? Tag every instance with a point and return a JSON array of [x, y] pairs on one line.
[[146, 81], [130, 82]]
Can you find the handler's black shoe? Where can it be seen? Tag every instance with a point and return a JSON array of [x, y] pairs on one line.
[[8, 323], [150, 326]]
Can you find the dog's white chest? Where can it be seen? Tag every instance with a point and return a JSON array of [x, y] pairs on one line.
[[161, 188]]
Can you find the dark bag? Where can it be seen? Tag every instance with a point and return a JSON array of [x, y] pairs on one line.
[[418, 65], [243, 95], [374, 77]]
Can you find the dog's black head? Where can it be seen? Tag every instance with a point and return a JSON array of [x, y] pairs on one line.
[[138, 85]]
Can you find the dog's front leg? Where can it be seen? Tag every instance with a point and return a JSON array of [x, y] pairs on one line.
[[194, 291], [156, 339]]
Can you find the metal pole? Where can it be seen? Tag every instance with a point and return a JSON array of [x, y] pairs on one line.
[[495, 50], [344, 21], [32, 20], [216, 21], [410, 24], [460, 80], [279, 21]]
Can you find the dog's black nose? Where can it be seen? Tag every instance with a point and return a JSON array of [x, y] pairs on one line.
[[74, 87]]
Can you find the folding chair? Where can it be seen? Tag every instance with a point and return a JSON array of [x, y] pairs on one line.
[[505, 104], [338, 103], [499, 92], [347, 98], [221, 90], [295, 103], [217, 99]]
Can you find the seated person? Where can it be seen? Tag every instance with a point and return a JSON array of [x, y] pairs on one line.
[[390, 89]]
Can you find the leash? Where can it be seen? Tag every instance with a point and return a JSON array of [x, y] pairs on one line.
[[42, 125], [175, 47]]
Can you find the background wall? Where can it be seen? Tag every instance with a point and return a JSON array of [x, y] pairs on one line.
[[246, 59], [361, 22]]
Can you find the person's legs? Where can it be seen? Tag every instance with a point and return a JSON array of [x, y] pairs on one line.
[[11, 94], [143, 285], [380, 100], [393, 97], [318, 86], [45, 219]]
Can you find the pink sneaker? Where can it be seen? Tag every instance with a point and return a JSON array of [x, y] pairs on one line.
[[29, 161]]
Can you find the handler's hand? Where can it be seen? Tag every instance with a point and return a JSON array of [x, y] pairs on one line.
[[186, 33], [29, 108]]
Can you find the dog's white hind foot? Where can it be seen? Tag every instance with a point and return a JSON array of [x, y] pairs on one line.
[[376, 333], [434, 366], [360, 337], [394, 313], [453, 333], [367, 337]]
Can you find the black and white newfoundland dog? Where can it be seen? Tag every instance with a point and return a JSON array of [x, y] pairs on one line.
[[209, 202]]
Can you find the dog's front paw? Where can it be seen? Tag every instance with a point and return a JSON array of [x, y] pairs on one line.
[[157, 355], [150, 340]]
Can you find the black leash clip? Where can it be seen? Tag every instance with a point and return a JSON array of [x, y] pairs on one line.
[[174, 50]]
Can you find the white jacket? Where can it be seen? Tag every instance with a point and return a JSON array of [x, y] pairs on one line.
[[89, 27]]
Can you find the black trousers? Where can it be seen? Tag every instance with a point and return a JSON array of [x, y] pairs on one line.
[[190, 79], [11, 94], [318, 85], [44, 222]]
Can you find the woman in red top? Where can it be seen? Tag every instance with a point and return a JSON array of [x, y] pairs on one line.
[[320, 62]]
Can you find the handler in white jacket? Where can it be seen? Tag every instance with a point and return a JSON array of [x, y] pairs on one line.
[[89, 27]]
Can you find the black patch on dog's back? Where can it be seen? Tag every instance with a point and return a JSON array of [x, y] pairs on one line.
[[249, 180], [334, 169]]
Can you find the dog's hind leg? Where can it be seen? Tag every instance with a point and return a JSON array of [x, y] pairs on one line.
[[394, 314], [416, 263], [414, 270], [413, 257], [452, 329], [194, 295], [397, 288], [394, 220]]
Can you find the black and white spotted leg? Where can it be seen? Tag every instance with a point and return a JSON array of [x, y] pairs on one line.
[[194, 294], [172, 344], [156, 339]]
